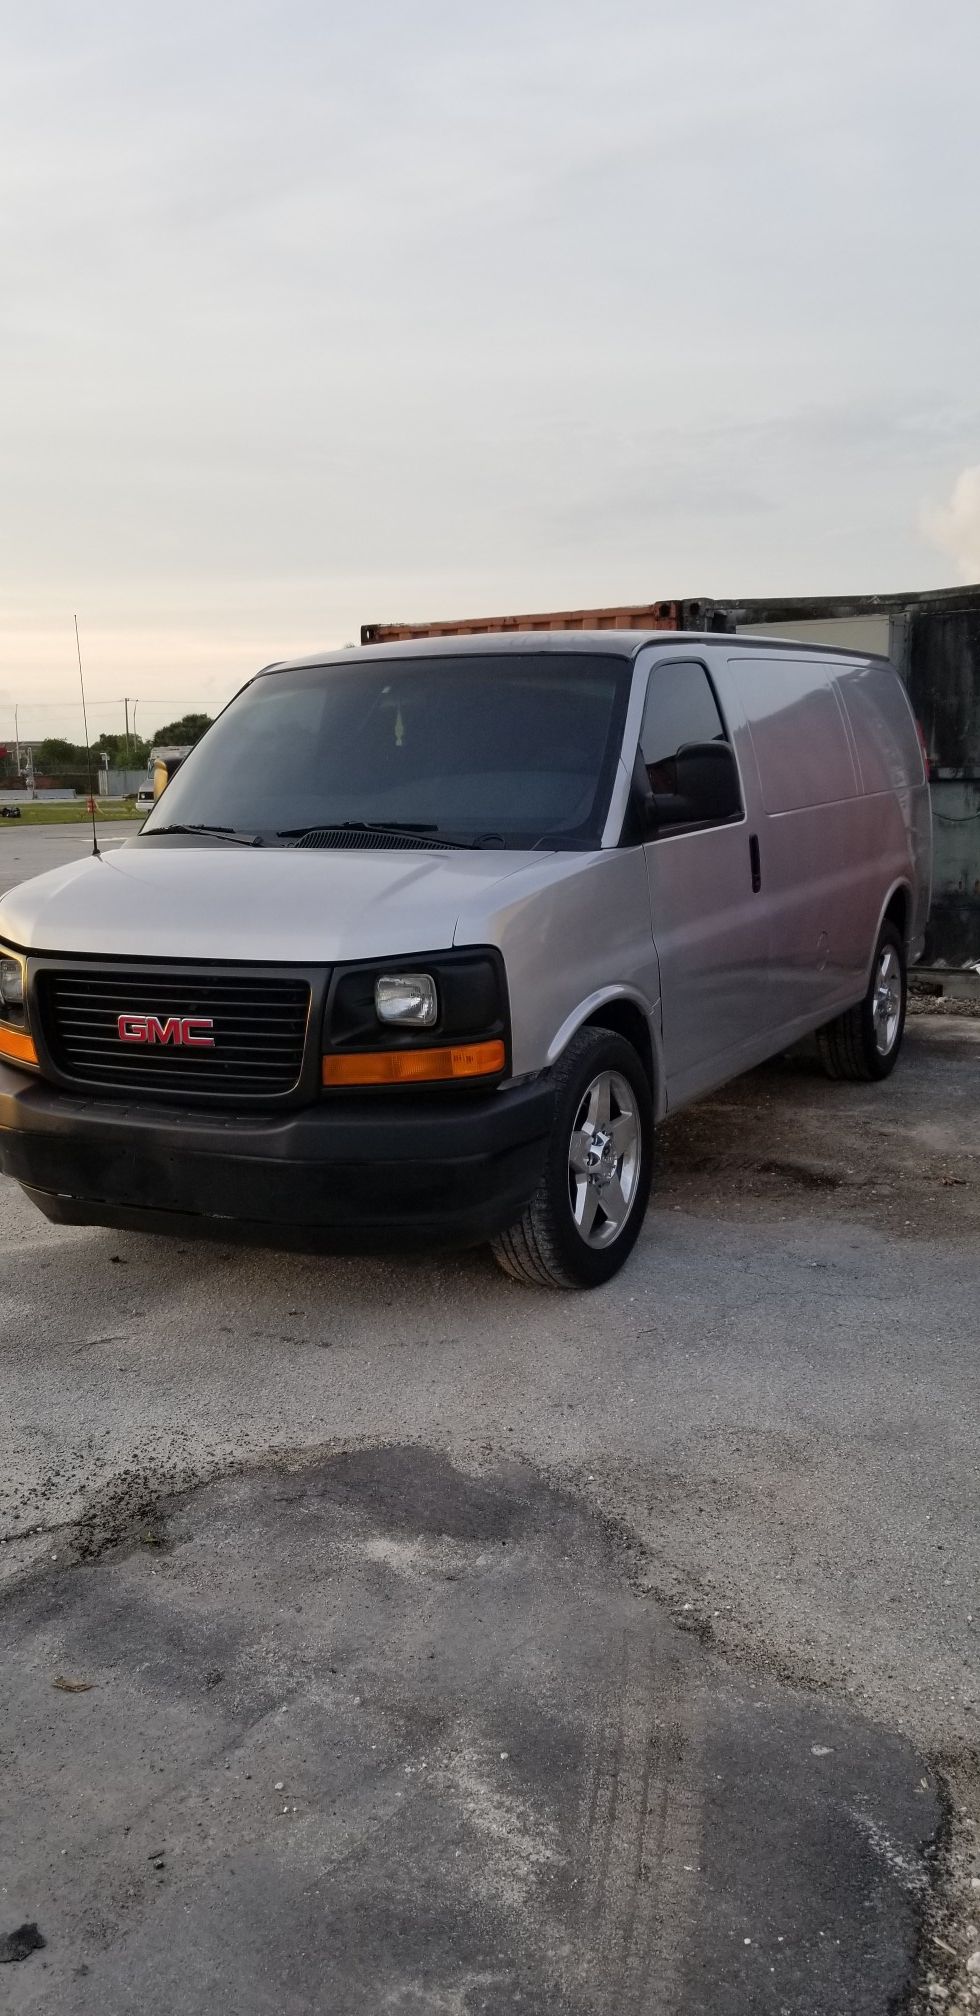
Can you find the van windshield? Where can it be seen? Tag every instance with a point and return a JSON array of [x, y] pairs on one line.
[[515, 751]]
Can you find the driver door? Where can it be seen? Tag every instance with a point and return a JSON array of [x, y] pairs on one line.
[[709, 921]]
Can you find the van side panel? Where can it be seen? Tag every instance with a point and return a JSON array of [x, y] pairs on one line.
[[920, 842], [830, 854], [890, 760], [798, 731], [882, 723]]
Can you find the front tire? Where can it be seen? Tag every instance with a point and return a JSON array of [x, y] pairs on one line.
[[863, 1044], [587, 1212]]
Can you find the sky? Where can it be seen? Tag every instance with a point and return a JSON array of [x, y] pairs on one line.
[[316, 315]]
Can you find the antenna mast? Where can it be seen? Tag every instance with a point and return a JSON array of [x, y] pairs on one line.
[[88, 750]]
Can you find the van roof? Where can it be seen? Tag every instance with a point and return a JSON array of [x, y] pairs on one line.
[[620, 643]]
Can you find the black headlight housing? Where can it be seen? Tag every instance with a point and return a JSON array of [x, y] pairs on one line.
[[471, 992]]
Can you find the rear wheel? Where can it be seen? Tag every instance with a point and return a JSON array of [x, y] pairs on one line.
[[586, 1214], [863, 1045]]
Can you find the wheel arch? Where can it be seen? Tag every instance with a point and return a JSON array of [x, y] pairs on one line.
[[898, 907], [623, 1011]]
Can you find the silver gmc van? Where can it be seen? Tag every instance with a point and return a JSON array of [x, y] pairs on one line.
[[426, 938]]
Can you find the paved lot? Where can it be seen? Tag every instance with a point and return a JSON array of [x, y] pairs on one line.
[[453, 1647], [32, 850]]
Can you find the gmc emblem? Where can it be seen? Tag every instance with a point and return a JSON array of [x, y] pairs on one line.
[[189, 1030]]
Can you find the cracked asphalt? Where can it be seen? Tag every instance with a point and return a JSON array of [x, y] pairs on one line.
[[698, 1554]]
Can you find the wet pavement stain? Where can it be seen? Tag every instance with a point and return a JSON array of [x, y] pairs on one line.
[[455, 1763]]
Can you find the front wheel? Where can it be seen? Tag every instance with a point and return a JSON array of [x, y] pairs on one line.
[[863, 1044], [587, 1211]]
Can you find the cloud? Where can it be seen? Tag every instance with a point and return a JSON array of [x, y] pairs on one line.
[[955, 526]]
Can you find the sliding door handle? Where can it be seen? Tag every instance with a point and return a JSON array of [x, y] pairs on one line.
[[755, 861]]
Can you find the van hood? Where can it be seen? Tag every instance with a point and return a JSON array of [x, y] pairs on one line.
[[289, 905]]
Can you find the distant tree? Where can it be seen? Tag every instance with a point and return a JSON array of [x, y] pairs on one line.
[[68, 762], [54, 757], [124, 753], [182, 733]]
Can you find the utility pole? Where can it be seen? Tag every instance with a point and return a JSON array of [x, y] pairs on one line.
[[126, 705], [16, 743]]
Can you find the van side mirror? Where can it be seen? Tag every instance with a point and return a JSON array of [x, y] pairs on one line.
[[706, 788]]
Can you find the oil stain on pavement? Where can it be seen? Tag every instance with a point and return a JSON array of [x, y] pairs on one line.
[[373, 1734]]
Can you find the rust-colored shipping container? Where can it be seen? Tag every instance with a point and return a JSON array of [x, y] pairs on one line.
[[631, 616]]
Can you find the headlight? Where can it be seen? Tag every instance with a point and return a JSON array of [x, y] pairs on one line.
[[408, 999], [11, 983], [16, 1044]]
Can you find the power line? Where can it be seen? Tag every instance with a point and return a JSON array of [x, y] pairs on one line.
[[35, 704]]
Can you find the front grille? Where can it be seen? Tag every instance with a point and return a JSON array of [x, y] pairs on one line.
[[258, 1029]]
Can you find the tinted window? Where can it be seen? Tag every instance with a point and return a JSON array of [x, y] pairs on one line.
[[523, 747], [681, 708]]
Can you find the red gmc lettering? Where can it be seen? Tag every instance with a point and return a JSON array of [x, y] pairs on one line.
[[188, 1030]]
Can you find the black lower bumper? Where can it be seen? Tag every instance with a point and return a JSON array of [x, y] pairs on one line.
[[438, 1169]]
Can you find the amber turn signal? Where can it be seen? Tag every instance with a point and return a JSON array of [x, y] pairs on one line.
[[414, 1067], [14, 1044]]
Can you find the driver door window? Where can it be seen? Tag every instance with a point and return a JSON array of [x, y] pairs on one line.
[[681, 708]]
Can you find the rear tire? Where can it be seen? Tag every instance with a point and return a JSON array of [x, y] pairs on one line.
[[587, 1212], [863, 1044]]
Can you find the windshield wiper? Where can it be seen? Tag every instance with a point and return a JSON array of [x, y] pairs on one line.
[[397, 830], [228, 833]]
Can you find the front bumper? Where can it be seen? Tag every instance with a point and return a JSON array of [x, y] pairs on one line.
[[354, 1171]]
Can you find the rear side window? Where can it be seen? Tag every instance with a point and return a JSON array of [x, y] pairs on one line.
[[681, 708], [798, 732]]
